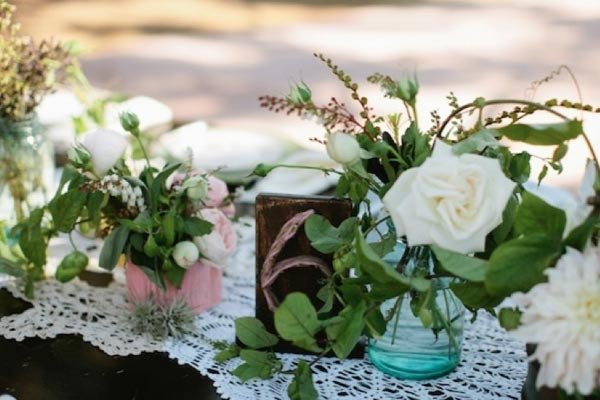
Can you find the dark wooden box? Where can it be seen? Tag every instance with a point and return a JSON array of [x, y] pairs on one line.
[[272, 212]]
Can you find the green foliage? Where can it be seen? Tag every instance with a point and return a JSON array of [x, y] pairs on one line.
[[509, 318], [296, 320], [257, 365], [302, 386], [380, 272], [197, 227], [326, 238], [543, 134], [347, 330], [534, 215], [519, 264], [477, 142], [465, 267], [227, 352], [579, 237], [114, 246], [415, 147], [71, 266], [251, 332], [31, 239], [475, 296]]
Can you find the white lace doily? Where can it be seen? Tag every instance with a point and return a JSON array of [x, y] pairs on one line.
[[493, 365]]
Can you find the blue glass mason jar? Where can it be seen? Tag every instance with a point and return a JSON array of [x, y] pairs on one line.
[[423, 339], [26, 168]]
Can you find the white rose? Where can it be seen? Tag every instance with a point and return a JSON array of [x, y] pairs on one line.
[[185, 254], [451, 201], [342, 147], [105, 148]]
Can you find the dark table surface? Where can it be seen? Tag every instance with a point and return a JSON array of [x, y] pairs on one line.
[[68, 368]]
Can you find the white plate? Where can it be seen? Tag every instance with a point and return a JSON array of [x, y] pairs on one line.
[[295, 181], [232, 151]]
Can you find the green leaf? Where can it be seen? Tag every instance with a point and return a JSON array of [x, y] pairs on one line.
[[579, 237], [11, 268], [519, 167], [263, 170], [71, 266], [560, 152], [150, 267], [379, 271], [376, 323], [346, 333], [502, 231], [94, 205], [519, 264], [66, 208], [542, 174], [302, 386], [68, 174], [31, 240], [509, 318], [476, 142], [251, 332], [466, 267], [385, 291], [151, 248], [168, 228], [158, 184], [228, 353], [114, 246], [385, 246], [257, 365], [197, 227], [174, 273], [475, 296], [543, 134], [535, 216], [326, 238], [296, 320]]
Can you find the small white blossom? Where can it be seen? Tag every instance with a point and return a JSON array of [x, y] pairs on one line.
[[120, 188]]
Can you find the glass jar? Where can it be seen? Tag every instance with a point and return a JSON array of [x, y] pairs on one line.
[[26, 169], [423, 339]]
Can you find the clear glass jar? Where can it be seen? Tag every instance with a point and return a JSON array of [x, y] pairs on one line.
[[26, 169], [409, 349]]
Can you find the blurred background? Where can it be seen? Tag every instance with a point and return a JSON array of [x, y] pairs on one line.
[[209, 60]]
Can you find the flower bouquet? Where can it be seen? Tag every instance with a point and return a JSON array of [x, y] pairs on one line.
[[458, 229], [28, 70], [171, 224]]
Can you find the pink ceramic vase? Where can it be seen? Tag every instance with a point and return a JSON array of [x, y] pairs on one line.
[[201, 288]]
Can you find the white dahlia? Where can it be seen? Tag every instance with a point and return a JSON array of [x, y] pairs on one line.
[[562, 317]]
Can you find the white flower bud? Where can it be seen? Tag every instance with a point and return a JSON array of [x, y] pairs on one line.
[[185, 254], [106, 147], [343, 148], [197, 187]]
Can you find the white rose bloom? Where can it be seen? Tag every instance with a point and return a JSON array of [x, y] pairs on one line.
[[451, 201], [105, 148], [562, 317], [342, 148]]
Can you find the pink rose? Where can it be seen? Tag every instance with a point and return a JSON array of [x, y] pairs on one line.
[[221, 241], [217, 196]]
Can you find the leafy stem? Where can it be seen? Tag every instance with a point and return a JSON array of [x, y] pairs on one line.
[[532, 104]]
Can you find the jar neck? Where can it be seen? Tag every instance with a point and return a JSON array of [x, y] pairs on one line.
[[23, 128]]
